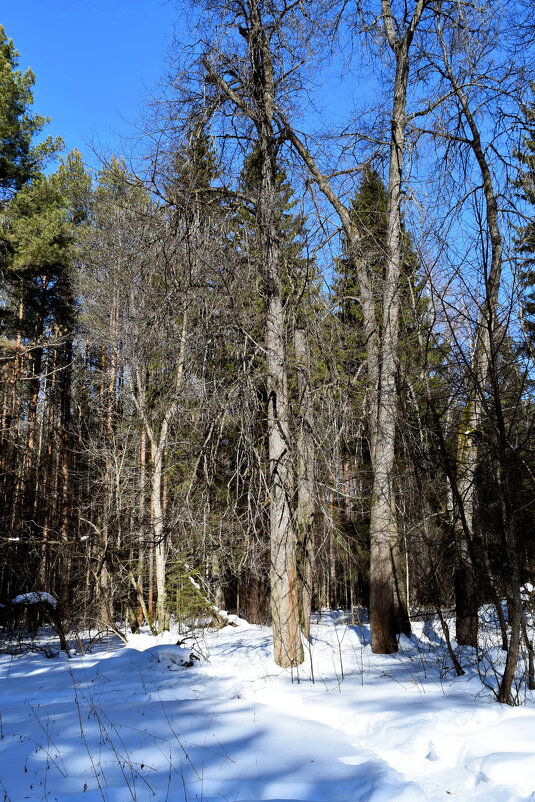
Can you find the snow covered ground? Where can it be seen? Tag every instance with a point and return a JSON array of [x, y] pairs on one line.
[[132, 723]]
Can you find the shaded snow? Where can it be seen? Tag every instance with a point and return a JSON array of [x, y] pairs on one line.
[[133, 723]]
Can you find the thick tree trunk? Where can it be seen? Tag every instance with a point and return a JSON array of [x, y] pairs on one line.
[[305, 480], [288, 649], [388, 615], [506, 694]]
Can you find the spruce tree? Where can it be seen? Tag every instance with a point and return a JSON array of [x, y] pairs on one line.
[[369, 209], [290, 226], [369, 214]]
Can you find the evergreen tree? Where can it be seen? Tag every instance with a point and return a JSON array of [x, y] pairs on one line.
[[20, 160], [39, 225], [369, 214], [236, 369], [297, 275]]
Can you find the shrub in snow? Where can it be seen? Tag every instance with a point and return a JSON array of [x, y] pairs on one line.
[[29, 609], [187, 602]]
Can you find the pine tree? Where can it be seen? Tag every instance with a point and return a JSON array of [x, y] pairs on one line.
[[20, 160], [35, 245], [39, 226]]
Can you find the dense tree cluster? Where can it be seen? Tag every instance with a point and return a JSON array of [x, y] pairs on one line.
[[278, 372]]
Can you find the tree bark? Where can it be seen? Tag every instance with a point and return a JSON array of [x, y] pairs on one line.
[[305, 480], [288, 649], [388, 615]]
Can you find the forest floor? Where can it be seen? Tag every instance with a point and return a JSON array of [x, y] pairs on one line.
[[130, 722]]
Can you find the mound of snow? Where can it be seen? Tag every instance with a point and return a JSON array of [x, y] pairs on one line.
[[163, 656], [36, 597]]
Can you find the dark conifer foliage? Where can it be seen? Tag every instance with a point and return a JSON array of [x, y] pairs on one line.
[[20, 158]]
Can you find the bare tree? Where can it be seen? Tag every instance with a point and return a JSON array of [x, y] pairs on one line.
[[251, 81], [381, 331]]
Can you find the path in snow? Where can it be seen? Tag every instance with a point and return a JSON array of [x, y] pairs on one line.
[[134, 724]]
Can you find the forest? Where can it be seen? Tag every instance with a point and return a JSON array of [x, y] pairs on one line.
[[276, 361]]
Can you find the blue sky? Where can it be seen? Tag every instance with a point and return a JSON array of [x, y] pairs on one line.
[[94, 61]]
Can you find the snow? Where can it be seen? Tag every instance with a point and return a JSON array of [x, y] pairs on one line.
[[35, 597], [140, 722]]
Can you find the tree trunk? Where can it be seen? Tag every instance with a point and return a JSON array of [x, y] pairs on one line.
[[158, 443], [160, 550], [466, 601], [482, 368], [288, 649], [305, 480], [65, 504], [388, 615]]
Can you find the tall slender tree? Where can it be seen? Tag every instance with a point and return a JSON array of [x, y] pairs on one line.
[[249, 78]]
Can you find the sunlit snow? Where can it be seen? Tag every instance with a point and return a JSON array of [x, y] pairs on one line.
[[135, 723], [35, 598]]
